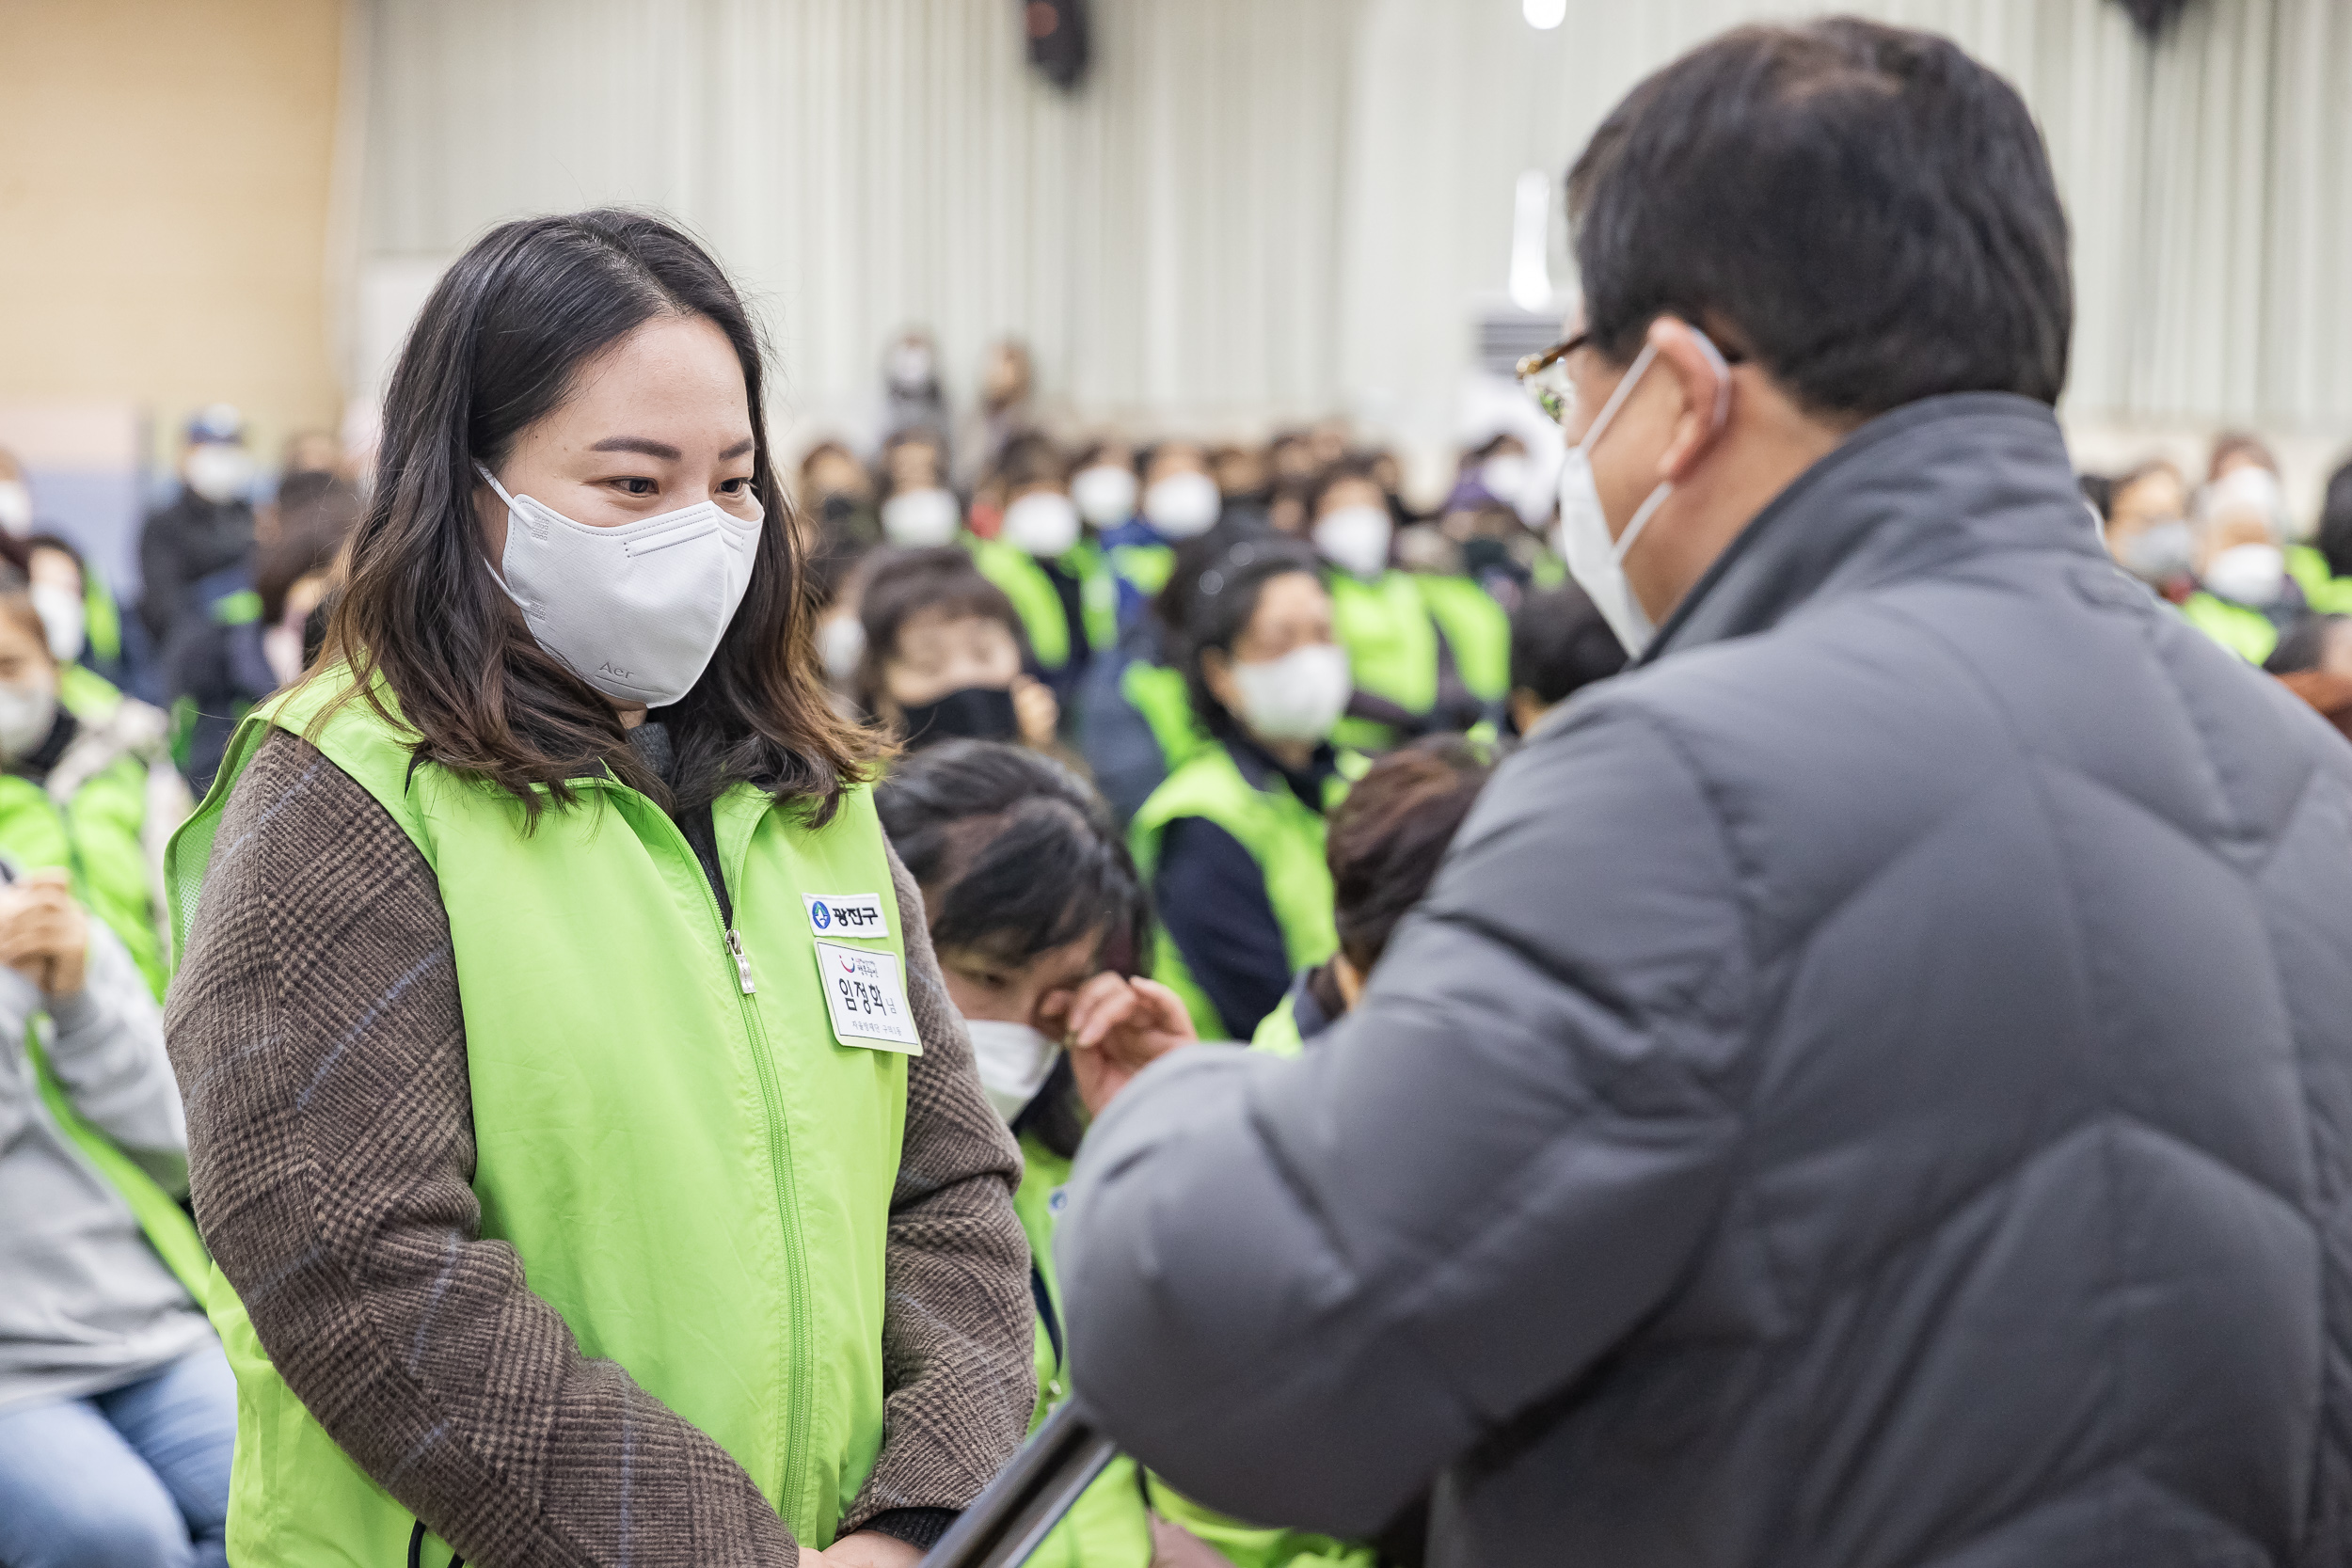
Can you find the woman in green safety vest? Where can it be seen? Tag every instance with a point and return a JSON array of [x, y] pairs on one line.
[[83, 623], [91, 793], [1048, 566], [1384, 846], [1039, 921], [1232, 839], [1427, 652], [1179, 502], [590, 1161]]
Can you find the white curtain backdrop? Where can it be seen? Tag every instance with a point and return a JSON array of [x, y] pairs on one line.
[[1262, 210]]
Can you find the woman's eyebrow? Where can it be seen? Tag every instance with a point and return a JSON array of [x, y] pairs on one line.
[[639, 444]]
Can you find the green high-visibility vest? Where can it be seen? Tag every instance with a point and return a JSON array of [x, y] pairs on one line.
[[1281, 835], [87, 695], [1158, 693], [2244, 632], [1108, 1525], [2324, 592], [1276, 1034], [1147, 566], [695, 1172], [97, 839], [1390, 627], [1039, 602]]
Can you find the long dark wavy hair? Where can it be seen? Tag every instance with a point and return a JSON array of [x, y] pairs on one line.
[[496, 349]]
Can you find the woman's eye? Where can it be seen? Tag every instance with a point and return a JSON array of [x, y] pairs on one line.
[[737, 486], [639, 486]]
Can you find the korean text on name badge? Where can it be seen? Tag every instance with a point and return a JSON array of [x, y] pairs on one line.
[[869, 998]]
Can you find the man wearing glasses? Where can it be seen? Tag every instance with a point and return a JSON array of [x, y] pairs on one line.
[[1871, 1084]]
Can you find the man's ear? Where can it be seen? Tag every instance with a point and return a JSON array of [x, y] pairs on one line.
[[1703, 382]]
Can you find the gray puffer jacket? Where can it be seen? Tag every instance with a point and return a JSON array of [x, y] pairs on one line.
[[1873, 1086]]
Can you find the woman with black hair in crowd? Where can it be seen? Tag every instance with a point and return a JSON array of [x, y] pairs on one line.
[[1047, 564], [945, 655], [593, 1166], [1232, 839], [1042, 929], [1427, 650]]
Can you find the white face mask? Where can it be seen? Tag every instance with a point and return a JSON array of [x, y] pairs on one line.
[[1581, 537], [1182, 506], [1356, 539], [1505, 477], [1299, 696], [62, 619], [1043, 523], [2248, 574], [840, 643], [1105, 493], [918, 519], [26, 712], [1014, 1061], [16, 506], [636, 611], [219, 471]]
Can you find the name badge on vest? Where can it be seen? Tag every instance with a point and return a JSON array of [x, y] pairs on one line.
[[869, 998], [857, 914]]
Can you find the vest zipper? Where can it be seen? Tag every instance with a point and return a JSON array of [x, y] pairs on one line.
[[795, 1484]]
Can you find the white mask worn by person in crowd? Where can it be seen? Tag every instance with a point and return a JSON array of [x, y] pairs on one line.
[[2161, 551], [64, 620], [1182, 506], [1105, 493], [840, 644], [1014, 1061], [918, 519], [16, 507], [1581, 537], [636, 611], [1356, 539], [1505, 477], [2254, 575], [27, 709], [1043, 523], [1299, 696], [219, 471]]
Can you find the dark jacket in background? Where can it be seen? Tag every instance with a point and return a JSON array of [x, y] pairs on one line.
[[1873, 1086], [182, 544]]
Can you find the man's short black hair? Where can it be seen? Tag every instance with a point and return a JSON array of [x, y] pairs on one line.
[[1560, 643], [1864, 209]]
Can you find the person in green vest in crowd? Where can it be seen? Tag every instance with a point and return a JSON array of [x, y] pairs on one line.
[[1041, 924], [593, 1164], [2245, 595], [1031, 896], [1053, 574], [91, 796], [1232, 839], [118, 1412], [83, 624], [1383, 848], [1180, 500], [945, 655], [1427, 652], [2246, 479]]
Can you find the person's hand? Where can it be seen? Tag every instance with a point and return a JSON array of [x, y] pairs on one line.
[[866, 1549], [45, 936], [1035, 710], [1114, 1028]]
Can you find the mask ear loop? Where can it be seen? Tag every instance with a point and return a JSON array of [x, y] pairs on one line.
[[1720, 415], [492, 481]]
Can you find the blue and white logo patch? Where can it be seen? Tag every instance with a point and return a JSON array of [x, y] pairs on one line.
[[847, 914]]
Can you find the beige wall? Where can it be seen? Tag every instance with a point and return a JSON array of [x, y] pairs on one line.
[[163, 176]]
